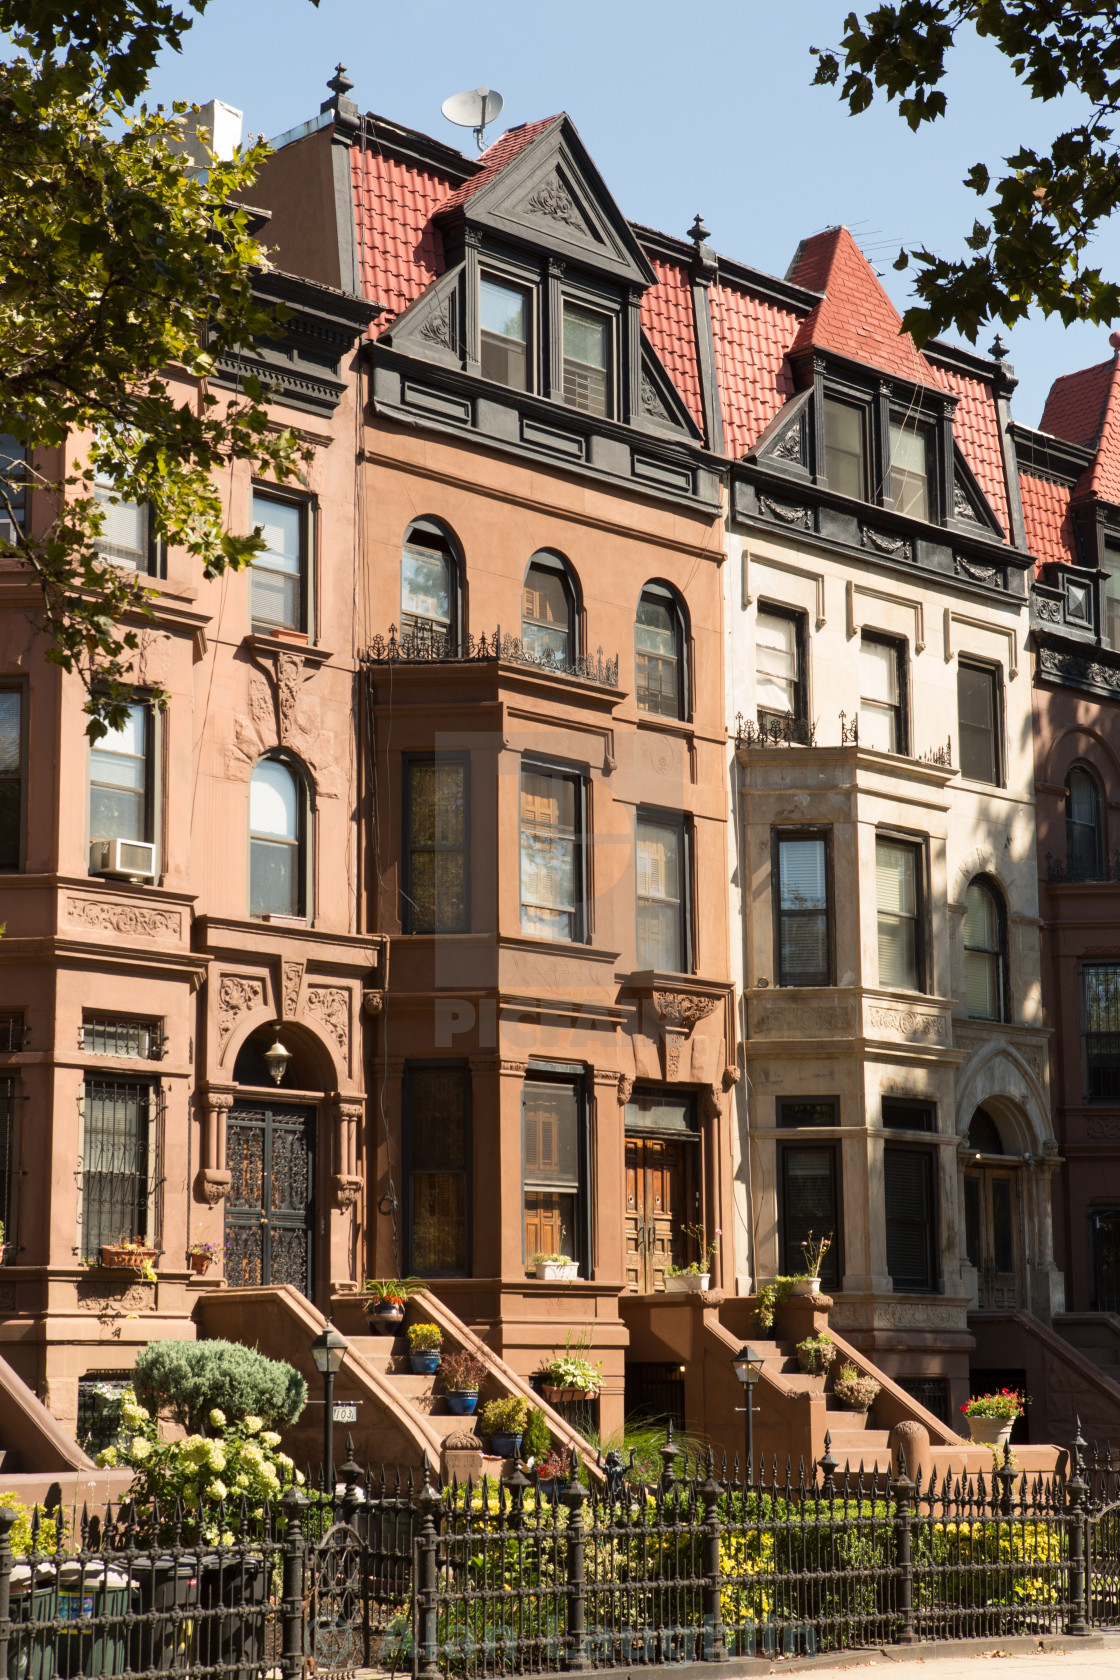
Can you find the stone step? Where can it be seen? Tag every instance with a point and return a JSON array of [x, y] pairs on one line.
[[847, 1421], [853, 1448]]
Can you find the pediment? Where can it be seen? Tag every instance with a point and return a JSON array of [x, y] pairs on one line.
[[784, 445], [551, 196], [660, 405], [971, 509], [432, 326]]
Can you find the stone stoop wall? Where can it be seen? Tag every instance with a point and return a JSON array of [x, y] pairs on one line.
[[1063, 1383]]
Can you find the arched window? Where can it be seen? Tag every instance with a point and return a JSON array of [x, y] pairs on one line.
[[985, 965], [277, 840], [548, 612], [430, 587], [659, 644], [983, 1134], [1084, 839]]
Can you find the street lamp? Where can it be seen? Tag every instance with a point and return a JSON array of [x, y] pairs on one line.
[[328, 1350], [748, 1369]]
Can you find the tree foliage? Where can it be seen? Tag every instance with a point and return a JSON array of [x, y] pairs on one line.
[[1030, 243], [127, 274], [190, 1379]]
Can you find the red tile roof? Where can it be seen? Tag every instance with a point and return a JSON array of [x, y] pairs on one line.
[[856, 317], [671, 327], [1103, 477], [751, 340], [399, 249], [1047, 519], [1075, 407], [976, 430]]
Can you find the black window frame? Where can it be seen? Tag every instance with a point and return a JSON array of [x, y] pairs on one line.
[[1108, 1089], [1078, 869], [409, 761], [985, 884], [305, 816], [790, 1258], [994, 673], [424, 1064], [489, 270], [12, 451], [766, 717], [924, 915], [779, 834], [21, 688], [581, 934], [786, 1119], [542, 1072], [900, 648], [927, 1153], [446, 645], [548, 559], [910, 419], [305, 506], [681, 821], [862, 407], [667, 595], [908, 1114], [609, 311]]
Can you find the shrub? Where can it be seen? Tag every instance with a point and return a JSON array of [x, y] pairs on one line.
[[191, 1379], [52, 1526], [425, 1338], [462, 1372], [504, 1417], [536, 1441]]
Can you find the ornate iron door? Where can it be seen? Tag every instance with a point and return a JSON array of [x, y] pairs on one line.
[[270, 1212]]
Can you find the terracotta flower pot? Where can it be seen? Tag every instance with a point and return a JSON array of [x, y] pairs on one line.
[[990, 1431], [563, 1396], [119, 1257], [200, 1263]]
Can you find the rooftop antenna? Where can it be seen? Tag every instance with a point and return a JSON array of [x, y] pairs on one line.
[[475, 109]]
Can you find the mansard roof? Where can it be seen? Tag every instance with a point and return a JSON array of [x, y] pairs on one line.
[[1083, 410]]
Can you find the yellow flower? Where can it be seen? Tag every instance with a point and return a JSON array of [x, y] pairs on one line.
[[271, 1438], [253, 1425], [139, 1447], [217, 1490], [217, 1418], [108, 1458]]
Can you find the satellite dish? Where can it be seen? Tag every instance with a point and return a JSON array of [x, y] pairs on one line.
[[475, 109]]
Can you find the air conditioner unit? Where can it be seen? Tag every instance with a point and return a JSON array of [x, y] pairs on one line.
[[135, 859]]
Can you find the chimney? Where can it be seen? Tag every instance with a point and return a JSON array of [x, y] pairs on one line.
[[223, 124]]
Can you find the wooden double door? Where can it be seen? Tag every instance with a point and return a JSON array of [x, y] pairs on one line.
[[993, 1232], [662, 1197]]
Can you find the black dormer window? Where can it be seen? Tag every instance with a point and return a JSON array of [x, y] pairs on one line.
[[845, 448], [506, 315], [910, 468], [588, 373]]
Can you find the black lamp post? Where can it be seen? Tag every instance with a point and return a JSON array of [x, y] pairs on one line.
[[328, 1351], [748, 1369]]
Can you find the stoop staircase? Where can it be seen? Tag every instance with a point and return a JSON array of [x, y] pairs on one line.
[[388, 1356], [853, 1440]]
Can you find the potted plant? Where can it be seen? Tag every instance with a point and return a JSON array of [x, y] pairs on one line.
[[201, 1256], [424, 1343], [992, 1416], [816, 1353], [692, 1279], [462, 1374], [855, 1390], [130, 1254], [555, 1268], [503, 1421], [556, 1467], [570, 1378], [384, 1304], [814, 1250]]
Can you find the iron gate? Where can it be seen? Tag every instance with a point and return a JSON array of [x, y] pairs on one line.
[[1102, 1574], [359, 1577], [270, 1213]]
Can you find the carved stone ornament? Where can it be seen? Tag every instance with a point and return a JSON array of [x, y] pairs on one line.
[[731, 1077], [373, 1002], [786, 512], [213, 1184], [870, 538], [437, 328], [289, 681], [331, 1006], [552, 199], [962, 505], [1050, 1146], [1100, 1129], [293, 980], [674, 1041], [788, 446], [1071, 667], [683, 1009], [236, 994], [128, 919], [347, 1189], [99, 1295], [910, 1023], [977, 573], [651, 400], [710, 1101], [625, 1089], [7, 1297]]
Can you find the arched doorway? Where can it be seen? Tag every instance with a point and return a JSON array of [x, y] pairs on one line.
[[993, 1214], [270, 1206]]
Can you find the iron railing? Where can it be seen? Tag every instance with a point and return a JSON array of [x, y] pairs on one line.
[[519, 1576], [1083, 869], [782, 729], [427, 645], [110, 1035]]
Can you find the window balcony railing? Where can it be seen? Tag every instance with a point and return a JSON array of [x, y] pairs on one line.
[[433, 646], [778, 729], [1082, 869]]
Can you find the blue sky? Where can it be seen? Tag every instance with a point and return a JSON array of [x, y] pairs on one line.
[[684, 107]]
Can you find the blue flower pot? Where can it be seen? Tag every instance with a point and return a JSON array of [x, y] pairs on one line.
[[424, 1364], [462, 1404], [505, 1446]]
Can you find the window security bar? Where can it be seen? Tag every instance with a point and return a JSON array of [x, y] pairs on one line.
[[13, 1033], [106, 1035], [429, 644], [120, 1170]]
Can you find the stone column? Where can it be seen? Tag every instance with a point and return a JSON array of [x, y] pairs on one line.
[[607, 1174], [214, 1177]]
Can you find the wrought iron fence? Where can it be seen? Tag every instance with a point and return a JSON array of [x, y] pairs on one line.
[[428, 644], [404, 1573], [1082, 868]]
